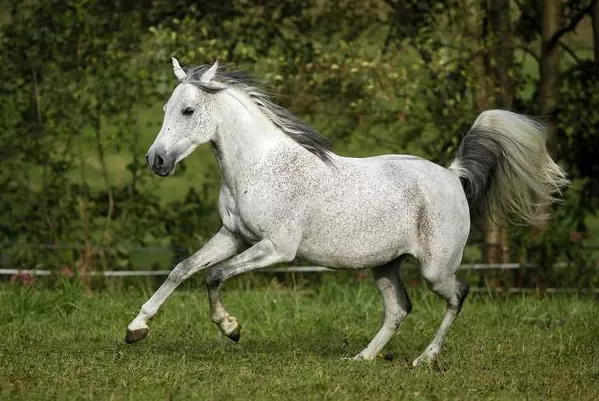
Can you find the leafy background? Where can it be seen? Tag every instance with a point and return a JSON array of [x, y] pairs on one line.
[[82, 83]]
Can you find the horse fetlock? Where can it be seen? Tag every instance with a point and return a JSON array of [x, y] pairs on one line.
[[219, 315], [228, 324]]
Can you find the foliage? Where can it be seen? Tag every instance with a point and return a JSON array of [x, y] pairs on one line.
[[563, 245], [66, 69], [374, 76], [578, 122]]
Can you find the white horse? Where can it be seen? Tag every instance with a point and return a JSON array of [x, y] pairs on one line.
[[284, 195]]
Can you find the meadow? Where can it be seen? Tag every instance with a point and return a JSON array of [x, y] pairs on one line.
[[65, 344]]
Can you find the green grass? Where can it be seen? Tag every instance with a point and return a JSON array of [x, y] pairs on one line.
[[65, 345]]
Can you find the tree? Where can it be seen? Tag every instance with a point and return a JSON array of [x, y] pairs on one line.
[[595, 20], [499, 42], [67, 66], [553, 29]]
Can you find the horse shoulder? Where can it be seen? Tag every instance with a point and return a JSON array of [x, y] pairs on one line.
[[278, 194], [227, 208]]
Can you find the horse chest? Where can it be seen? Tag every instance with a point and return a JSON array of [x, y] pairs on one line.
[[233, 221]]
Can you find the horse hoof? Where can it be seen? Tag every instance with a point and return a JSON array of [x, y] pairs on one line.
[[363, 357], [235, 334], [427, 357], [135, 335]]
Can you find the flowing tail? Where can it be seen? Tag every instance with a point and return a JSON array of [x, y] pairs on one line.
[[506, 170]]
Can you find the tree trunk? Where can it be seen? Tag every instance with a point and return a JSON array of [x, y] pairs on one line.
[[501, 58], [550, 70], [595, 20], [84, 263], [477, 26], [502, 52], [483, 100], [549, 84], [548, 100], [105, 176]]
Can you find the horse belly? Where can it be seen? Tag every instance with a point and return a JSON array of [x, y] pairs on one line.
[[354, 246]]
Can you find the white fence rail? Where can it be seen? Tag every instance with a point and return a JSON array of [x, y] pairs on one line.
[[287, 269], [320, 269]]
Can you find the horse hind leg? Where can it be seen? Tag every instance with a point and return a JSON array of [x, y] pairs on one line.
[[441, 279], [396, 304]]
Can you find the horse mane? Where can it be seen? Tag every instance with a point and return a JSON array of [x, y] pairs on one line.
[[290, 124]]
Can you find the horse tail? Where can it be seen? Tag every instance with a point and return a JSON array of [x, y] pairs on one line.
[[505, 168]]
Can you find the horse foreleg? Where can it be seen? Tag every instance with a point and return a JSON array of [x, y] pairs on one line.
[[222, 246], [262, 254]]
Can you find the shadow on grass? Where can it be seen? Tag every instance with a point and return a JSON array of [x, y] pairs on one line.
[[219, 349]]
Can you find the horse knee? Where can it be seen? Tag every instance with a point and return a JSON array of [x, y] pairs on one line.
[[177, 275]]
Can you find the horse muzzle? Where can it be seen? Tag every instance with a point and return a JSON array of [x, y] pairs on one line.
[[160, 162]]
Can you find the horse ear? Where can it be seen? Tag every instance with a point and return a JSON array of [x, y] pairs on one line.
[[208, 75], [179, 73]]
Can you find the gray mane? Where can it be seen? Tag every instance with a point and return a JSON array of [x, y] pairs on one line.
[[291, 125]]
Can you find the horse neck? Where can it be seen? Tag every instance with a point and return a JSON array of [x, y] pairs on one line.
[[244, 137]]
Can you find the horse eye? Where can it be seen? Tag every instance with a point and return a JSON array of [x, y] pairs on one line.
[[187, 111]]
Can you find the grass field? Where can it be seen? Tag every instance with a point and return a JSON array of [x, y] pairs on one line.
[[66, 345]]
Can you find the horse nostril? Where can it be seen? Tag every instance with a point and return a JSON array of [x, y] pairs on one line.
[[158, 162]]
